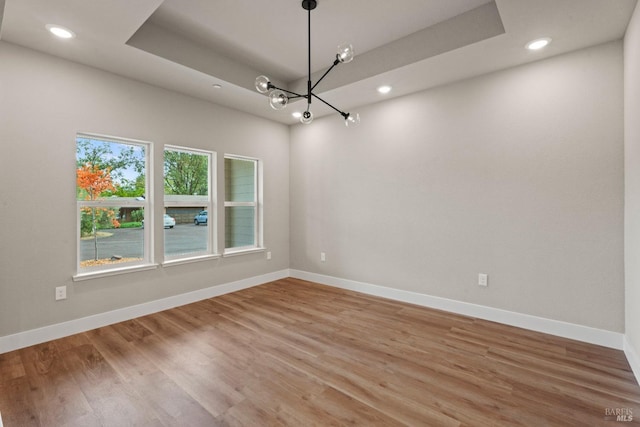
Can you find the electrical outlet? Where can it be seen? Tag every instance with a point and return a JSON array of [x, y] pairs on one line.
[[483, 279], [61, 293], [323, 257], [268, 255]]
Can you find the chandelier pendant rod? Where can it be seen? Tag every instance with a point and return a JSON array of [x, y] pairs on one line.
[[309, 89]]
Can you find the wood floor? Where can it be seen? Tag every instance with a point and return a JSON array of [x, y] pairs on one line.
[[301, 354]]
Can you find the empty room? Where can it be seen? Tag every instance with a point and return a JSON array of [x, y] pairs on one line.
[[319, 212]]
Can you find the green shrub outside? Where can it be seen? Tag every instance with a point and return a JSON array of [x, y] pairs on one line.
[[133, 224]]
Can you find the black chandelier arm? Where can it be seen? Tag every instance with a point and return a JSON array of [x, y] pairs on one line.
[[295, 95], [336, 62], [342, 113]]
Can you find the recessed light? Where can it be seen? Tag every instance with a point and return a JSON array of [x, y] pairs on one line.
[[217, 86], [296, 114], [60, 31], [538, 44], [384, 89]]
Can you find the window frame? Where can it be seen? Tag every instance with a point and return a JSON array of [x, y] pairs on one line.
[[211, 202], [147, 261], [257, 204]]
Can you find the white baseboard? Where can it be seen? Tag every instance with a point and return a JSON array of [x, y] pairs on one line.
[[539, 324], [48, 333], [633, 357]]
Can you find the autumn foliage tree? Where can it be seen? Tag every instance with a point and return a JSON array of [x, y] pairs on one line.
[[94, 181]]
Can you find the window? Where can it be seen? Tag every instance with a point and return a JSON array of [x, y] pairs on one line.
[[112, 193], [189, 221], [242, 216]]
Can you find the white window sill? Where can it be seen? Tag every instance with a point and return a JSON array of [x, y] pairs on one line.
[[236, 252], [189, 260], [112, 272]]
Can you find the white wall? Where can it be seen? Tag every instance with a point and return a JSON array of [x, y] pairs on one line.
[[517, 174], [44, 102], [632, 186]]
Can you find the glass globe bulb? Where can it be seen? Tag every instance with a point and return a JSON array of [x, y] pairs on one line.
[[345, 53], [353, 120], [307, 117], [262, 84], [278, 99]]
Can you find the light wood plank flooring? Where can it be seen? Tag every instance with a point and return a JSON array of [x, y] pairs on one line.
[[297, 353]]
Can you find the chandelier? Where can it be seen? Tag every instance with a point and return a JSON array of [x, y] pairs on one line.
[[279, 98]]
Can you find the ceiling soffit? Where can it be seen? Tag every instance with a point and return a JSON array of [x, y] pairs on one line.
[[461, 30]]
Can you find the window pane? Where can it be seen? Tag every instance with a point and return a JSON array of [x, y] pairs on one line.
[[187, 202], [240, 180], [190, 233], [109, 169], [111, 197], [240, 226], [108, 235]]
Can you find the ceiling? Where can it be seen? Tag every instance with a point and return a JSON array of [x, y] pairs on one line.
[[189, 45]]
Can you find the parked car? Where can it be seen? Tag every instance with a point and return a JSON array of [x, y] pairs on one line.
[[201, 218], [169, 222]]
